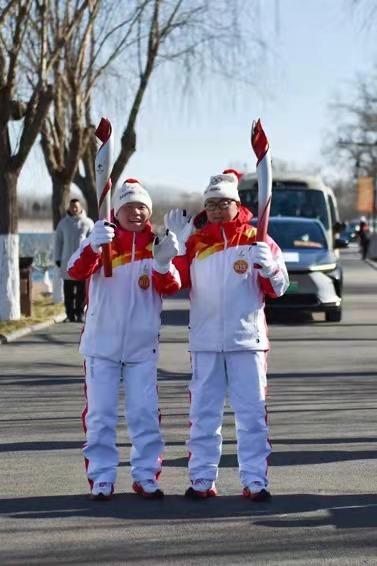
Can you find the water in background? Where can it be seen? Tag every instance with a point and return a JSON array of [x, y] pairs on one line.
[[40, 246]]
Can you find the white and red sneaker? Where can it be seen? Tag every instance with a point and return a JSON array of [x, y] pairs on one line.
[[149, 489], [102, 491], [201, 489]]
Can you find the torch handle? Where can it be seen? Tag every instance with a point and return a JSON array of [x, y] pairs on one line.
[[106, 259]]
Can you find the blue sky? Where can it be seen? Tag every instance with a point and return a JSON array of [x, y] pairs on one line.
[[316, 51]]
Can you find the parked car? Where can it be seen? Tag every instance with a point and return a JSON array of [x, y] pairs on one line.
[[315, 273], [350, 231]]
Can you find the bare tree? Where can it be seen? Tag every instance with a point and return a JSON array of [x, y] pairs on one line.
[[353, 143], [203, 34], [28, 102], [346, 197], [63, 134], [67, 131]]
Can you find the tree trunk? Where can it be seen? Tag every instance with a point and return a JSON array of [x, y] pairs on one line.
[[127, 150], [9, 254], [10, 277], [60, 196], [8, 187], [59, 203]]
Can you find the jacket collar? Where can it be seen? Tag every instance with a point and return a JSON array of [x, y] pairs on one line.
[[125, 238], [215, 232]]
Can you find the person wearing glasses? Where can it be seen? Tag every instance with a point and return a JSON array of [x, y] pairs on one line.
[[228, 274]]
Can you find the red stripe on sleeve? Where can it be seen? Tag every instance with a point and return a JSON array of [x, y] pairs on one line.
[[267, 287], [84, 263], [166, 283], [181, 262]]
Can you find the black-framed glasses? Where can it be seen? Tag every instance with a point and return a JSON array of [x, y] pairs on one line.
[[221, 204]]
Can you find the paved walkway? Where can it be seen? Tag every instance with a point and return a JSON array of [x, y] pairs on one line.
[[323, 470]]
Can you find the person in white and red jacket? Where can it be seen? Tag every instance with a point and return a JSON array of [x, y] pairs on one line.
[[120, 339], [229, 275]]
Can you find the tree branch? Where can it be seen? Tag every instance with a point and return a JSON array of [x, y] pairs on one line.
[[17, 44], [67, 33], [8, 8], [47, 147], [30, 134]]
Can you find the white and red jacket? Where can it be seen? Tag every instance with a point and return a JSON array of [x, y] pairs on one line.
[[123, 316], [226, 292]]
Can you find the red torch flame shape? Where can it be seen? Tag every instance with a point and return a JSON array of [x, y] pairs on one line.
[[261, 147]]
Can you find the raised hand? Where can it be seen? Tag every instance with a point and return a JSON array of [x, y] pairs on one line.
[[261, 256], [164, 250], [177, 221], [102, 233]]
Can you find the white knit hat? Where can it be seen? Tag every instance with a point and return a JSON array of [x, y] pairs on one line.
[[131, 191], [223, 186]]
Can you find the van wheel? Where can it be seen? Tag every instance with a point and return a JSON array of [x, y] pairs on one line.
[[334, 315]]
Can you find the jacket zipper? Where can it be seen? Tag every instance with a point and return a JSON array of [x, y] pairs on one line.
[[223, 286], [125, 331]]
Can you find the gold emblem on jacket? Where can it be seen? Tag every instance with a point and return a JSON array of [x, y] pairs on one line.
[[240, 266], [144, 281]]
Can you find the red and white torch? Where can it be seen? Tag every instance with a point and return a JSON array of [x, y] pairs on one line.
[[261, 147], [103, 166]]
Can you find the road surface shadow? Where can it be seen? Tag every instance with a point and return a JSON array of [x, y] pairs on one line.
[[56, 380], [166, 375], [287, 458], [321, 374], [175, 317], [282, 458], [342, 511]]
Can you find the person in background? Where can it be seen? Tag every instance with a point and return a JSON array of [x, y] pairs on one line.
[[364, 237], [71, 231]]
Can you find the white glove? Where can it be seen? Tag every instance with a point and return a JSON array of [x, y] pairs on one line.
[[261, 255], [178, 222], [164, 250], [102, 233]]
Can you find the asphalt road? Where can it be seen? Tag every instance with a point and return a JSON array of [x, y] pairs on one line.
[[323, 470]]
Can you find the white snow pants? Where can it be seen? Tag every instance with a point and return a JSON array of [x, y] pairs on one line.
[[243, 375], [100, 417]]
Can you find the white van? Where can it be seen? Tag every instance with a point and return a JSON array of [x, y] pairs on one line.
[[296, 195]]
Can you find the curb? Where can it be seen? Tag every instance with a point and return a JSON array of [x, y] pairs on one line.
[[5, 338]]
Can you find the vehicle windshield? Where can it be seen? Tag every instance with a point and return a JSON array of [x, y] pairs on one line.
[[297, 235], [290, 201]]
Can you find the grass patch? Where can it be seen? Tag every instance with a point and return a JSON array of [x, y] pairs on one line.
[[42, 309]]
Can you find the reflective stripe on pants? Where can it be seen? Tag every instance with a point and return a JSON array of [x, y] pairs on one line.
[[103, 378], [243, 375]]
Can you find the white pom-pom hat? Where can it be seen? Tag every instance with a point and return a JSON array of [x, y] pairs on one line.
[[131, 191], [223, 186]]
